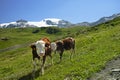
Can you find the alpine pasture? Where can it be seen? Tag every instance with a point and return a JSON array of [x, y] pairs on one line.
[[95, 46]]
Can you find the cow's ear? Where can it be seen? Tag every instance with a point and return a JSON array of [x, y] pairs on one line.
[[32, 45]]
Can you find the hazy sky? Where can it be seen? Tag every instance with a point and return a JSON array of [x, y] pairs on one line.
[[71, 10]]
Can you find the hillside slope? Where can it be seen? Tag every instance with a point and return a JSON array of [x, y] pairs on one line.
[[95, 46]]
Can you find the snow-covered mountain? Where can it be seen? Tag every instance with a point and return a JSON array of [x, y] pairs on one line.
[[43, 23], [55, 22]]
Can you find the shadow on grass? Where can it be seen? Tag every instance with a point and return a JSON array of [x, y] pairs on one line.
[[33, 75], [30, 76]]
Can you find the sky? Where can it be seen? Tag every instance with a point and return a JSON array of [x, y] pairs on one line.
[[74, 11]]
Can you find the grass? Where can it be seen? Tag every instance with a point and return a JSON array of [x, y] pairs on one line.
[[95, 46], [93, 50]]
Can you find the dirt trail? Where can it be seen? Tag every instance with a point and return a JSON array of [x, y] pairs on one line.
[[14, 47], [111, 71]]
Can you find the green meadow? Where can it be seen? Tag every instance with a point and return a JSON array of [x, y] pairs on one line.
[[95, 46]]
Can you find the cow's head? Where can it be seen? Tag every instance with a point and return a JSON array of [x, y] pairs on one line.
[[53, 46], [59, 44], [40, 46]]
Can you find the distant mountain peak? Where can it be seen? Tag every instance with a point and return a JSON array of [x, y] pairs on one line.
[[51, 21], [43, 23]]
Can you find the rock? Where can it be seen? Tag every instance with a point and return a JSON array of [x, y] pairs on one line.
[[4, 38]]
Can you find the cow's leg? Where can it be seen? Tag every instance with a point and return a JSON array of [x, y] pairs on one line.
[[34, 67], [51, 59], [72, 52], [61, 53], [38, 61], [34, 64], [42, 66]]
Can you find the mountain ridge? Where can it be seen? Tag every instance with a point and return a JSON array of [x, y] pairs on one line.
[[101, 20], [55, 22]]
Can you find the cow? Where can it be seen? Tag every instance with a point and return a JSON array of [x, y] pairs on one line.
[[62, 45], [41, 48]]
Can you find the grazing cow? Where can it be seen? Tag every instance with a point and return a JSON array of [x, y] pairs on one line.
[[41, 49], [65, 44]]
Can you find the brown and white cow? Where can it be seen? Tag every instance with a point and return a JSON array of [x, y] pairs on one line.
[[64, 44], [41, 48]]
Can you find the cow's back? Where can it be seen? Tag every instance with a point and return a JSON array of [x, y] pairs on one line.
[[69, 43]]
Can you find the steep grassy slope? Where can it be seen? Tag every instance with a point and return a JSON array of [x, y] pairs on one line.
[[93, 50], [94, 47]]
